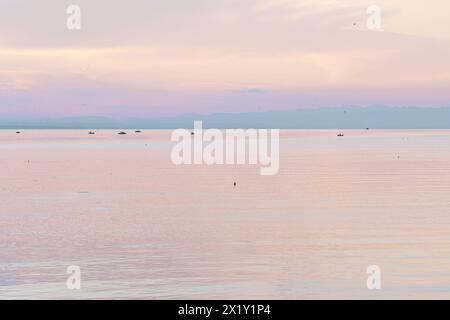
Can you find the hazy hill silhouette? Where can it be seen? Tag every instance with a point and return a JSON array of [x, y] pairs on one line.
[[377, 117]]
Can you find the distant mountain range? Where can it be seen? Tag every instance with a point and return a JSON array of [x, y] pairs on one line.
[[322, 118]]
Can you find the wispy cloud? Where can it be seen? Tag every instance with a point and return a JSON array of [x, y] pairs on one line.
[[222, 46]]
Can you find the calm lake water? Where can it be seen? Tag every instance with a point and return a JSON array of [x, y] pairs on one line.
[[140, 227]]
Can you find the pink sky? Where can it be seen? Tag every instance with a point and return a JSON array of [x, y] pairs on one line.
[[171, 57]]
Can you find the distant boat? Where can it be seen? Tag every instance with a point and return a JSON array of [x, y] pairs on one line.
[[91, 132], [122, 133], [340, 135], [138, 131], [17, 132]]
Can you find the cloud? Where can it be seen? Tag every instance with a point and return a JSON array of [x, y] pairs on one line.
[[213, 24], [204, 48], [254, 90]]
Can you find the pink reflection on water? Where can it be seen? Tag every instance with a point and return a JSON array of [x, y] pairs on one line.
[[140, 227]]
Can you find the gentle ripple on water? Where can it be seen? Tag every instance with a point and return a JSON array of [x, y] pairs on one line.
[[140, 227]]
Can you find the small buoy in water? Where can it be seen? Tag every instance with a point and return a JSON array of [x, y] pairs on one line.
[[192, 133], [235, 184]]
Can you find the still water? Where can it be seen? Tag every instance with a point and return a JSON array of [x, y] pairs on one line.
[[140, 227]]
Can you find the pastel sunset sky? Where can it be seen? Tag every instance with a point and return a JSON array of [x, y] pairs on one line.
[[155, 57]]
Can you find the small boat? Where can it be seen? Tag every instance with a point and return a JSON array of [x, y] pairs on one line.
[[91, 132], [17, 132], [138, 131], [340, 135], [122, 133]]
